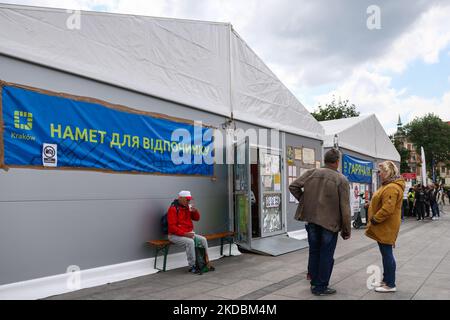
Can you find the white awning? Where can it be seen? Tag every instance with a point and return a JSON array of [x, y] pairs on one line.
[[363, 134]]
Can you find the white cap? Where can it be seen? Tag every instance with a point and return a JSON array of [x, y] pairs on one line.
[[185, 194]]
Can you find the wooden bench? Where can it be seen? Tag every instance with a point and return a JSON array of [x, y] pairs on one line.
[[162, 245]]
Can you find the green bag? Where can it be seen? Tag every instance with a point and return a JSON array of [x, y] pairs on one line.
[[201, 257]]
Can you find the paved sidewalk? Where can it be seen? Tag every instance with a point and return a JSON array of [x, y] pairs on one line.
[[423, 272]]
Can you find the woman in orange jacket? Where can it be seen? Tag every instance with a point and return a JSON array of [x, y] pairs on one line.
[[384, 219]]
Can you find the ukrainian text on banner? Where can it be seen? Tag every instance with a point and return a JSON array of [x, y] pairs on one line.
[[75, 132], [357, 170]]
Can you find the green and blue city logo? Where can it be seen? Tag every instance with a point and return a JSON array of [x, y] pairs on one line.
[[23, 120]]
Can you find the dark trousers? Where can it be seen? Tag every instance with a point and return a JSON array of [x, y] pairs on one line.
[[427, 210], [322, 244], [420, 206], [389, 264], [435, 209], [411, 207], [404, 208]]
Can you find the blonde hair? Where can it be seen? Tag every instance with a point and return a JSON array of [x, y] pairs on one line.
[[390, 168]]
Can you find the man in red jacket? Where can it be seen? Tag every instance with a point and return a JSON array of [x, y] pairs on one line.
[[181, 229]]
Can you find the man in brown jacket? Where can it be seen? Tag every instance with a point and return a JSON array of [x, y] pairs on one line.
[[324, 203]]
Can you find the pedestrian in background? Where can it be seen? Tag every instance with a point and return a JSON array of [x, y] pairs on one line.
[[433, 202], [404, 204], [419, 203], [324, 203], [427, 191], [440, 197], [411, 202], [384, 221]]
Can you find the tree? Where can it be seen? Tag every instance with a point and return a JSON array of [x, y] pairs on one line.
[[333, 110], [405, 154], [433, 134]]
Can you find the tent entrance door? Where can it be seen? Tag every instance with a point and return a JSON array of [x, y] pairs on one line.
[[242, 194]]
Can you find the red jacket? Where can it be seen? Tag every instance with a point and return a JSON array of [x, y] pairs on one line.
[[181, 223]]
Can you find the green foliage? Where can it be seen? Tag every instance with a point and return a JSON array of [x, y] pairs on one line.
[[335, 110], [431, 133], [405, 154]]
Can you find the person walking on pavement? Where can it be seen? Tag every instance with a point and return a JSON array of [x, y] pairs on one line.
[[419, 203], [384, 221], [427, 191], [404, 204], [324, 203], [411, 202], [440, 197], [433, 202]]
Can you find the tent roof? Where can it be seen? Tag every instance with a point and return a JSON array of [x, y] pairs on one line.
[[363, 134], [205, 65]]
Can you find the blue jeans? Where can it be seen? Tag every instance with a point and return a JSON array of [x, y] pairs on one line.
[[389, 265], [322, 244], [435, 209]]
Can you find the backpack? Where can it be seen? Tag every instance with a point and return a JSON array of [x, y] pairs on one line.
[[164, 221]]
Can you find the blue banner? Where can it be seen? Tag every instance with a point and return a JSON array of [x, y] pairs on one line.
[[357, 170], [42, 128]]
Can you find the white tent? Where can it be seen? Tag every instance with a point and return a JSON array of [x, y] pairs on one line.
[[363, 134], [205, 65]]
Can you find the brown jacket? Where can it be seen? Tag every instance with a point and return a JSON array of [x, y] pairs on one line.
[[385, 209], [324, 200]]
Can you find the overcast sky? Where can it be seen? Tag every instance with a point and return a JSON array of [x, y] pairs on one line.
[[323, 48]]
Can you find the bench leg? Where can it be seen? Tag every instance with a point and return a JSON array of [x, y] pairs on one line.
[[221, 246], [156, 257], [166, 251]]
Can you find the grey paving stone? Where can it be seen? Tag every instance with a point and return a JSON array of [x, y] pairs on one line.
[[205, 297], [238, 289], [223, 279], [299, 290], [431, 293], [182, 292], [355, 285], [438, 280], [337, 296], [277, 275], [275, 297], [408, 283], [399, 295], [443, 267]]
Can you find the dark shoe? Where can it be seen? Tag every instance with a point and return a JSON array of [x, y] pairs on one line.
[[326, 292], [193, 269]]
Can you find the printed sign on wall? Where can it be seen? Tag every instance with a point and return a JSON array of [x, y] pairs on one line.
[[43, 128], [357, 170]]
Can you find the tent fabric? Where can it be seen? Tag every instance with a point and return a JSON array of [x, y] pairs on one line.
[[182, 61], [259, 96], [363, 134], [205, 65]]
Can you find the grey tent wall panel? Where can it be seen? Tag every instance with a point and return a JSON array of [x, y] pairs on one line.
[[297, 141]]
